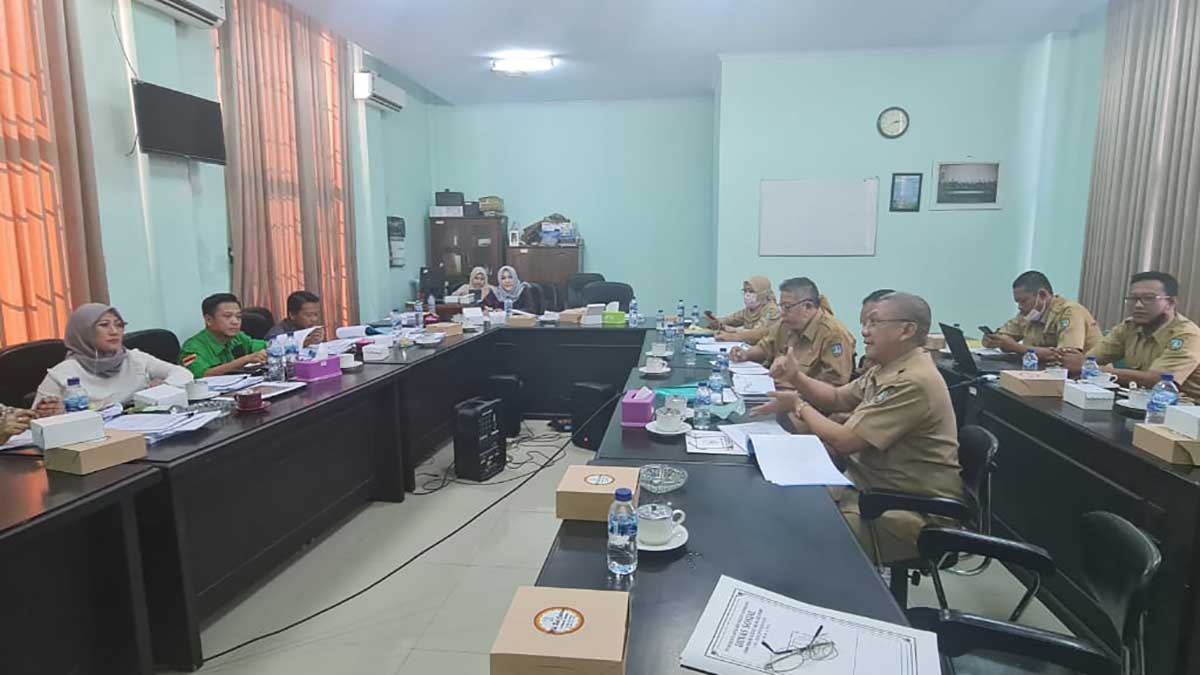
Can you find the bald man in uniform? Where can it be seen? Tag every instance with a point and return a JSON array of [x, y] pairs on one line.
[[901, 434], [1154, 340], [820, 346], [1049, 324]]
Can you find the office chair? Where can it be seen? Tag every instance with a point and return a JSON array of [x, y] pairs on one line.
[[575, 285], [977, 449], [1120, 562], [157, 342], [608, 291], [24, 366], [256, 321], [549, 297], [539, 297]]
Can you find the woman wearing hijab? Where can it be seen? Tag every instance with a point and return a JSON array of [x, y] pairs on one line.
[[760, 315], [478, 281], [510, 287], [96, 354]]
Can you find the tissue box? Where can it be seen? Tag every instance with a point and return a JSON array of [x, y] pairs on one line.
[[592, 320], [935, 342], [318, 369], [522, 321], [374, 352], [448, 328], [563, 630], [1184, 420], [60, 430], [117, 447], [637, 410], [613, 318], [585, 492], [163, 395], [1088, 396], [1031, 383], [1160, 441]]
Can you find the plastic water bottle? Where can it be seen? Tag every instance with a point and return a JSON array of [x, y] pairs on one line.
[[695, 315], [723, 362], [1164, 395], [680, 312], [276, 370], [634, 319], [702, 406], [432, 304], [660, 321], [1030, 362], [716, 384], [689, 351], [1090, 369], [74, 397], [419, 309], [507, 309], [622, 534], [291, 354], [395, 317]]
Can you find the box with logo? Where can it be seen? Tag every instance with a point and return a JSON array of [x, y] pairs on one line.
[[585, 492], [522, 321], [1184, 420], [60, 430], [1088, 396], [569, 631], [1167, 445], [447, 328], [117, 447], [1031, 383]]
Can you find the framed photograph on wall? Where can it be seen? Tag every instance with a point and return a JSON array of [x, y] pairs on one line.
[[966, 186], [397, 248], [906, 192]]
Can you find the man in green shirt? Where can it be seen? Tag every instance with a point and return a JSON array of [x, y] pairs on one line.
[[221, 348]]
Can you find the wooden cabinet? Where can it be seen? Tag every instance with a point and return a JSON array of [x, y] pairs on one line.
[[551, 265], [464, 243]]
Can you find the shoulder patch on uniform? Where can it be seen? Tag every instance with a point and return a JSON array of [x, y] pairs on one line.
[[837, 349], [1063, 323], [1176, 344]]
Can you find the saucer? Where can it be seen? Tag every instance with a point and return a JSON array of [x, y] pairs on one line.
[[211, 394], [679, 538], [664, 355], [354, 368], [645, 371], [652, 427], [1130, 407], [265, 407]]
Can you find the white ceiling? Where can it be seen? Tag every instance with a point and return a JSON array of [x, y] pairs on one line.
[[621, 49]]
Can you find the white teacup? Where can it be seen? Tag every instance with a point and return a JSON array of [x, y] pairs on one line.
[[654, 365], [658, 349], [196, 389], [657, 523], [346, 360], [1103, 379], [668, 419]]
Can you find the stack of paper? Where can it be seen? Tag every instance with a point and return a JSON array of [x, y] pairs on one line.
[[739, 433], [158, 427], [229, 383], [712, 443], [795, 460], [753, 388], [748, 368], [715, 347]]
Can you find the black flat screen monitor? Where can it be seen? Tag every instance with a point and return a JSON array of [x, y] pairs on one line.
[[174, 123]]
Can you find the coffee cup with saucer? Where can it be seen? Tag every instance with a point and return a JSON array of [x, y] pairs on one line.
[[655, 366], [197, 390], [668, 422], [660, 528]]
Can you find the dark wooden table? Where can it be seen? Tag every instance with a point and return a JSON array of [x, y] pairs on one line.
[[71, 593], [788, 540]]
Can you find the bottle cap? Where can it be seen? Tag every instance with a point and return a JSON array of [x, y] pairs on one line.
[[1167, 377], [72, 381], [624, 495]]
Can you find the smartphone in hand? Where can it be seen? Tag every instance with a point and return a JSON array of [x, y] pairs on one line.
[[987, 331]]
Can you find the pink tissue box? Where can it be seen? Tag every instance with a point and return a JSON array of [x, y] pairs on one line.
[[636, 412], [315, 371]]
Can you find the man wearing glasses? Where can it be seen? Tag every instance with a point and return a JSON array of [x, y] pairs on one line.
[[808, 340], [901, 434], [1154, 340]]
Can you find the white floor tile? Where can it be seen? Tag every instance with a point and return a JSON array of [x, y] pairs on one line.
[[422, 662], [470, 617]]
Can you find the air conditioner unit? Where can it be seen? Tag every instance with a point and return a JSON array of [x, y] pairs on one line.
[[372, 88], [199, 13]]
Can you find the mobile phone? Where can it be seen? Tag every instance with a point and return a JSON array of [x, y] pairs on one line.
[[986, 330]]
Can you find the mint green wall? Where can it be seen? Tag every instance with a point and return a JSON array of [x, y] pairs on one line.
[[813, 116], [635, 175]]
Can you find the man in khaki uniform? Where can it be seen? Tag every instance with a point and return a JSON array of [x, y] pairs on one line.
[[1049, 324], [901, 434], [1154, 340], [819, 344]]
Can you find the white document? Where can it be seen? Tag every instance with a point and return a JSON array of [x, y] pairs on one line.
[[226, 383], [351, 332], [748, 368], [712, 443], [19, 440], [795, 460], [753, 385], [716, 347], [738, 433], [159, 427], [302, 334], [987, 351], [270, 390], [339, 346], [739, 618]]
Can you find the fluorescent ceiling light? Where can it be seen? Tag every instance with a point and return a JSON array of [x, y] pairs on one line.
[[523, 65]]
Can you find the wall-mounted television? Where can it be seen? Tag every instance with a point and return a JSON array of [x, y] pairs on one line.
[[174, 123]]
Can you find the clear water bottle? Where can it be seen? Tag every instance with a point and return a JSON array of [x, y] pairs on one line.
[[716, 384], [1030, 362], [1164, 395], [695, 315], [660, 321], [702, 406], [1090, 369], [74, 397], [276, 370], [432, 304], [634, 319], [419, 309], [291, 354], [680, 311], [622, 534], [507, 309], [723, 362], [689, 351], [395, 317]]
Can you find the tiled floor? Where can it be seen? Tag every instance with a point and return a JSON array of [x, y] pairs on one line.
[[440, 614]]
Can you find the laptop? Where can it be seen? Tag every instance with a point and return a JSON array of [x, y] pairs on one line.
[[964, 360]]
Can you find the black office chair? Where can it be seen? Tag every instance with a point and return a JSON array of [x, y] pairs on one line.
[[575, 285], [538, 297], [24, 366], [1120, 562], [977, 448], [157, 342], [608, 291], [256, 321], [549, 297]]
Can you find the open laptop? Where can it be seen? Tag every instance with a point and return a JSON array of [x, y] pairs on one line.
[[963, 358]]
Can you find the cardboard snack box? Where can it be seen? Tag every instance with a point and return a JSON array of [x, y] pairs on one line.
[[117, 447], [566, 631], [1031, 383], [1167, 445], [586, 492]]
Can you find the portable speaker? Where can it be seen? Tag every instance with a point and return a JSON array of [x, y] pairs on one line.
[[479, 447], [507, 388], [591, 400]]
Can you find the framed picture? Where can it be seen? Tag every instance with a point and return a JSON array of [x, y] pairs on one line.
[[906, 192], [397, 249], [966, 186]]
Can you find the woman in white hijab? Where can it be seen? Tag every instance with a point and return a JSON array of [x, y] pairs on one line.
[[96, 354], [478, 281]]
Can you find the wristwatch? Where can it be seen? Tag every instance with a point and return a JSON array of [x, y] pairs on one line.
[[801, 405]]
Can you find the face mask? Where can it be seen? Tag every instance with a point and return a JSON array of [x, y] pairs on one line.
[[1034, 314], [751, 299]]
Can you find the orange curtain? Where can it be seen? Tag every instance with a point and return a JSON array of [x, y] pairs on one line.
[[291, 223], [49, 231]]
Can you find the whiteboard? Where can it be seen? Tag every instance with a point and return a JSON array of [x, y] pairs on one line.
[[818, 217]]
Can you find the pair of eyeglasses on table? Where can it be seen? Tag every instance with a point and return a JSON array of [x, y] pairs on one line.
[[788, 660]]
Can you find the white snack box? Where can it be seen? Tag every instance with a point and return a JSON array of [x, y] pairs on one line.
[[1184, 420], [163, 395], [60, 430], [1088, 396], [376, 352]]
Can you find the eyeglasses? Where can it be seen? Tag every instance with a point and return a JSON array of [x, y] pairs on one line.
[[787, 660], [787, 306], [1145, 299], [871, 324]]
